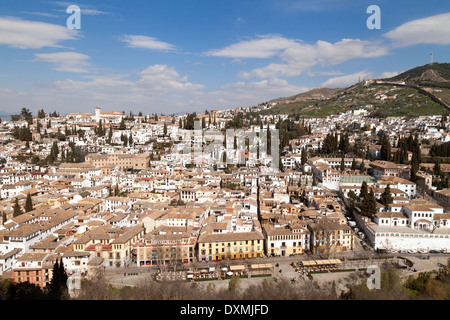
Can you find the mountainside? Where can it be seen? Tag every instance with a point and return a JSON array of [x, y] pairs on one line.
[[380, 100], [435, 74], [314, 94]]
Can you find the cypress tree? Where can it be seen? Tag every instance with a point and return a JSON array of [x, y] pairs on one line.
[[304, 157], [362, 167], [57, 288], [17, 210], [364, 190], [386, 197], [29, 203], [354, 164], [342, 167]]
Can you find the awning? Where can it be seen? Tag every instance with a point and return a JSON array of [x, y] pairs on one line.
[[229, 273], [261, 266], [239, 267]]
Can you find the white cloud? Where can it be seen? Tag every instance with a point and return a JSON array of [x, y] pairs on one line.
[[66, 61], [162, 78], [158, 88], [387, 74], [24, 34], [430, 30], [139, 41], [85, 9], [248, 94], [42, 14], [297, 56], [263, 47], [347, 80]]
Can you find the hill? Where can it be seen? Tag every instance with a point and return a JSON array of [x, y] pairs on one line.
[[314, 94], [380, 100], [435, 74]]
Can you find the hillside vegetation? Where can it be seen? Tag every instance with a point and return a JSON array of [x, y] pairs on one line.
[[380, 100]]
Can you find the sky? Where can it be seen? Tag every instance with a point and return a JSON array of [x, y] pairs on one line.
[[176, 56]]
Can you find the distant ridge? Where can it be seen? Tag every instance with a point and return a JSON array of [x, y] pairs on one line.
[[314, 94], [425, 91], [5, 115], [434, 74]]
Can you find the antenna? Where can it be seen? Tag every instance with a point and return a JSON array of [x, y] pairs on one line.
[[431, 58]]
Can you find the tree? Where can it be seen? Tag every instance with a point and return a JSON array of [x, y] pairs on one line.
[[364, 190], [342, 166], [386, 197], [29, 203], [344, 143], [385, 152], [41, 114], [304, 157], [369, 205], [362, 167], [353, 164], [25, 114], [17, 211], [57, 288], [122, 125]]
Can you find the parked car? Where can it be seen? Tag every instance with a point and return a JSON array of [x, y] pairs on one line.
[[402, 251], [434, 251], [412, 251], [422, 251]]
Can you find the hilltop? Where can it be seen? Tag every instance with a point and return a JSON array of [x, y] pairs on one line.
[[380, 100], [434, 75]]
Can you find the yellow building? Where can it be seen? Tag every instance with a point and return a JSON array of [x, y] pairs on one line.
[[230, 245]]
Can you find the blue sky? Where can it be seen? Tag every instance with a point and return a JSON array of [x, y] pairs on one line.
[[180, 56]]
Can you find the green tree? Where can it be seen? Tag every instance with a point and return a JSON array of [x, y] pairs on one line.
[[29, 203], [304, 156], [17, 210], [123, 125], [369, 205], [57, 288], [353, 164], [386, 197], [362, 167], [342, 166], [385, 152], [364, 192]]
